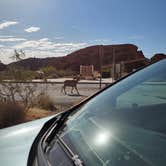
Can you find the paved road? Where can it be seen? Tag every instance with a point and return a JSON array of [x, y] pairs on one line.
[[53, 89], [61, 100], [61, 80], [65, 101]]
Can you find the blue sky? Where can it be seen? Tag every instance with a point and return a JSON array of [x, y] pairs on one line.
[[57, 27]]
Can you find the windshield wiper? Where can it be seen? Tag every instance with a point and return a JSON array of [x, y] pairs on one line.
[[45, 143], [74, 157], [55, 128], [53, 133]]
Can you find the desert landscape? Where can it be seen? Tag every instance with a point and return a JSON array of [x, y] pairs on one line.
[[33, 88]]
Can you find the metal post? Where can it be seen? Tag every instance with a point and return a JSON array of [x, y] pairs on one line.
[[121, 68], [101, 58], [113, 64]]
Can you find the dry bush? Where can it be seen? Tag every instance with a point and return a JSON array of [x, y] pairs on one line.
[[15, 92], [45, 102], [11, 114]]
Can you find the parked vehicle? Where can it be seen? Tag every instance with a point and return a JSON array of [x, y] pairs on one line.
[[124, 124]]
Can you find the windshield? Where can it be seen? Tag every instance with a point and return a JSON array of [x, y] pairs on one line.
[[124, 125]]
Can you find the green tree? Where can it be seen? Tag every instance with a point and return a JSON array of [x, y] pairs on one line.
[[48, 71]]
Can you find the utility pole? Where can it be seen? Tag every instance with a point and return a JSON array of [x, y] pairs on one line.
[[101, 59], [113, 63]]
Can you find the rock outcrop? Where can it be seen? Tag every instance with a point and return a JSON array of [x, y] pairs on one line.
[[158, 57], [86, 56]]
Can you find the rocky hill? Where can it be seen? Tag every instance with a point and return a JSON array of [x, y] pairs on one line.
[[2, 66], [85, 56], [158, 57]]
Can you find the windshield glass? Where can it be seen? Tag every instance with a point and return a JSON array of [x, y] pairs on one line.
[[125, 124]]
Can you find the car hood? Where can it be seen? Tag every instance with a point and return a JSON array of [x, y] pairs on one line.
[[16, 141]]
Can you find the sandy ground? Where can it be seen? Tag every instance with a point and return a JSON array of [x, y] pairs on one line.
[[36, 113]]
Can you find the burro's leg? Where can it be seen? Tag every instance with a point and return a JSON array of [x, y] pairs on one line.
[[72, 89], [77, 90], [62, 89], [65, 90]]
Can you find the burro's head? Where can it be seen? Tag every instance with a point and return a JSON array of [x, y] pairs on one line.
[[76, 77]]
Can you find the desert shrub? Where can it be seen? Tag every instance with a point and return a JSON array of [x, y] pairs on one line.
[[45, 102], [11, 114], [17, 73], [65, 73], [12, 92], [48, 70]]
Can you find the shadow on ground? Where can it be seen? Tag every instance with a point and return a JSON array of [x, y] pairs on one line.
[[76, 95]]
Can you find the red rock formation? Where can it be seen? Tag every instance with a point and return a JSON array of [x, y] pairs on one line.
[[90, 55], [158, 57], [86, 56]]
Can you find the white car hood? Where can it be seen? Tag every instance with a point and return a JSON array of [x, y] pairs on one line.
[[15, 142]]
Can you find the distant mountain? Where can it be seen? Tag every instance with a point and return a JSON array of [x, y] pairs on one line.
[[85, 56]]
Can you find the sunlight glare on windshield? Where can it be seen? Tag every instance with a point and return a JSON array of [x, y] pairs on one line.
[[103, 138]]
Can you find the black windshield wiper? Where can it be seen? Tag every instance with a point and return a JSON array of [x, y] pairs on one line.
[[55, 128], [53, 133], [46, 143], [74, 157]]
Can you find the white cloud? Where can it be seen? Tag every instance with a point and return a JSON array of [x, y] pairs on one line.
[[5, 54], [44, 40], [11, 39], [35, 44], [101, 40], [1, 46], [46, 44], [5, 36], [32, 29], [7, 24], [39, 48], [58, 37]]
